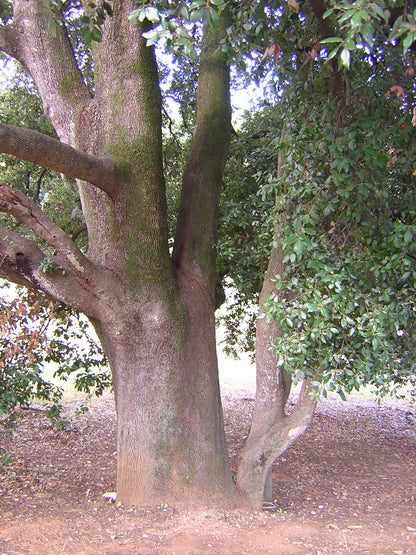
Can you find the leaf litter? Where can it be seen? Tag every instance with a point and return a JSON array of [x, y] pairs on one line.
[[347, 486]]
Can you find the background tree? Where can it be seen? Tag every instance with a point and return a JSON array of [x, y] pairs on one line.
[[338, 296]]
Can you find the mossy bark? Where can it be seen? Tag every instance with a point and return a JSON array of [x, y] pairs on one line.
[[196, 232], [154, 315]]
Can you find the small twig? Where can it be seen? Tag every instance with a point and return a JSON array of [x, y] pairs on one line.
[[34, 409], [170, 125]]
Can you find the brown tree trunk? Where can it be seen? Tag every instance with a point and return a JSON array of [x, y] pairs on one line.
[[272, 429], [170, 433], [153, 313]]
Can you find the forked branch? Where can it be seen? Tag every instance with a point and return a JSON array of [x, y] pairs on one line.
[[21, 262], [27, 212], [266, 443]]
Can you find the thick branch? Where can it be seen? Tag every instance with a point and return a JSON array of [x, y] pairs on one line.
[[9, 41], [273, 383], [20, 259], [196, 231], [45, 50], [15, 253], [49, 152], [18, 205], [10, 245]]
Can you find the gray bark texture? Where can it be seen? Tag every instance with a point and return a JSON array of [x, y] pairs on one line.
[[153, 314]]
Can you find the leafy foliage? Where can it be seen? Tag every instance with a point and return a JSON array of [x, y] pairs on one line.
[[35, 332], [346, 301], [246, 224], [361, 23], [89, 16], [173, 22], [256, 30], [92, 20]]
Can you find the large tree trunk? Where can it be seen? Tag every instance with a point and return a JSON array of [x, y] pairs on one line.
[[153, 313], [170, 433]]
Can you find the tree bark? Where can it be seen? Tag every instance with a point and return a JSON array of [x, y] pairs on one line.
[[170, 436], [272, 429], [153, 314], [45, 151], [266, 443], [196, 232]]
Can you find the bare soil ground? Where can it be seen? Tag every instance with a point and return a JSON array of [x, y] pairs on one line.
[[348, 486]]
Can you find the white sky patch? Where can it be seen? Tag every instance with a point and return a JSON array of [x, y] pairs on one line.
[[7, 70], [245, 99]]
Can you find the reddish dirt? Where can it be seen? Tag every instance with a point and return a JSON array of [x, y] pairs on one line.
[[347, 486]]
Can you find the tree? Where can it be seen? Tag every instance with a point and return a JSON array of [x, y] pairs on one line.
[[153, 312], [153, 307], [34, 329], [337, 300]]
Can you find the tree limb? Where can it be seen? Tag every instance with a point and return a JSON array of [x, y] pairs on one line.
[[10, 245], [26, 211], [49, 152], [15, 251], [196, 231], [20, 260], [42, 43], [9, 41]]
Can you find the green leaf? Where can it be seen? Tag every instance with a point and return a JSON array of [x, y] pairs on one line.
[[184, 13], [213, 19], [342, 394], [151, 14], [96, 34], [197, 4], [133, 16], [408, 41], [333, 53], [151, 37], [199, 14], [408, 236], [345, 57], [331, 40]]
